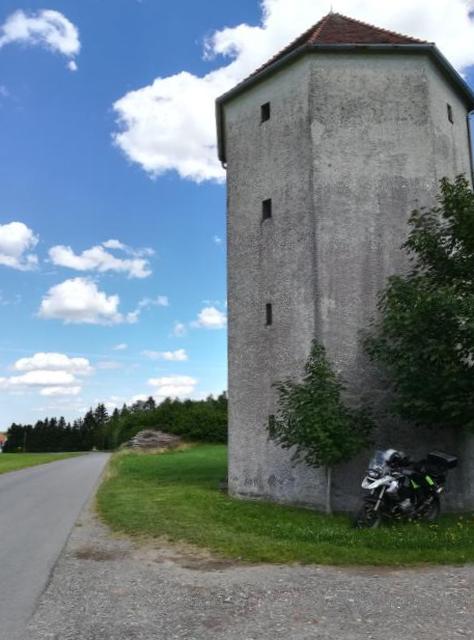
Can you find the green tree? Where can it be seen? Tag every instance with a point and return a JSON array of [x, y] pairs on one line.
[[424, 337], [88, 431], [101, 417], [313, 420]]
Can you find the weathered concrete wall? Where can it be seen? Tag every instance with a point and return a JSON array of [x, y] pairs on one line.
[[269, 261], [381, 141], [354, 143]]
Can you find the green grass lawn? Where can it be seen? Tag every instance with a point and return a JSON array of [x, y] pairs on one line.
[[15, 461], [176, 495]]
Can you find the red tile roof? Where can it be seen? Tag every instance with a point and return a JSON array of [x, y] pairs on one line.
[[338, 29], [334, 30]]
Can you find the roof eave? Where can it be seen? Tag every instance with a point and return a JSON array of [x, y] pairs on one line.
[[431, 49]]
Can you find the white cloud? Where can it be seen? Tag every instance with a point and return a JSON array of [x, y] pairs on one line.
[[179, 330], [114, 244], [16, 240], [210, 318], [47, 28], [139, 397], [61, 391], [114, 402], [50, 374], [41, 378], [173, 386], [169, 125], [54, 362], [120, 347], [217, 240], [159, 301], [179, 355], [79, 301], [98, 259]]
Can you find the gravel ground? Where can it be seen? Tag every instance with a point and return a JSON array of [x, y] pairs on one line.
[[108, 588]]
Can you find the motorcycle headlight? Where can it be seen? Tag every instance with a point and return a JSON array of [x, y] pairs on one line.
[[374, 474]]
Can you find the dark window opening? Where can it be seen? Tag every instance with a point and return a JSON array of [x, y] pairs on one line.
[[450, 113], [266, 209], [265, 112], [271, 423], [268, 314]]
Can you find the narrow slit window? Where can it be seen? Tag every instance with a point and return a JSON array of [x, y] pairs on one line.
[[268, 314], [450, 113], [265, 112], [266, 209]]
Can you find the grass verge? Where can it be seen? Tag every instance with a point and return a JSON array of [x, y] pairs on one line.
[[176, 495], [15, 461]]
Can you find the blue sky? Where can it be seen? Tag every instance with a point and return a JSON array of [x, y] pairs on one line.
[[94, 149]]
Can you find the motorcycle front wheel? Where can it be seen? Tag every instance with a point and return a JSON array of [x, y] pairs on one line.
[[367, 517]]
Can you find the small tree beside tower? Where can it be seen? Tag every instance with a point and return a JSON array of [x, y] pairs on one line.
[[315, 423]]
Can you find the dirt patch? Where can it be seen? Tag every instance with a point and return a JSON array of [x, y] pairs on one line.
[[98, 555], [136, 589], [184, 555]]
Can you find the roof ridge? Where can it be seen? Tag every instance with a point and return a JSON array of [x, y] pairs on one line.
[[317, 29], [372, 26], [300, 40]]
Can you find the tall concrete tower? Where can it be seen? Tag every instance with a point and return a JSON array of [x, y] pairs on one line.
[[328, 148]]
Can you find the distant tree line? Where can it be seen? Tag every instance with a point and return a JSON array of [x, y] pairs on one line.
[[195, 420]]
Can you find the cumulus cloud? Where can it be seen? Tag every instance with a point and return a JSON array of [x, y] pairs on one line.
[[16, 241], [49, 373], [46, 28], [210, 318], [179, 355], [49, 383], [79, 301], [173, 387], [99, 259], [114, 244], [61, 391], [169, 125], [51, 361], [41, 378]]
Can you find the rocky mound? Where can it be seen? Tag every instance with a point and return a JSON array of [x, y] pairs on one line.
[[151, 439]]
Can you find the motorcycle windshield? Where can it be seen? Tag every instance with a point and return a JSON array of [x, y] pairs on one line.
[[378, 460]]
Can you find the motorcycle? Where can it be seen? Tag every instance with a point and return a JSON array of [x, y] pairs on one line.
[[399, 489]]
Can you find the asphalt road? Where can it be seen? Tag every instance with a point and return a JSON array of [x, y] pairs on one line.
[[38, 509]]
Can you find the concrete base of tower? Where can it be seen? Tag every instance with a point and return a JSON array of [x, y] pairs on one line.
[[305, 487]]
